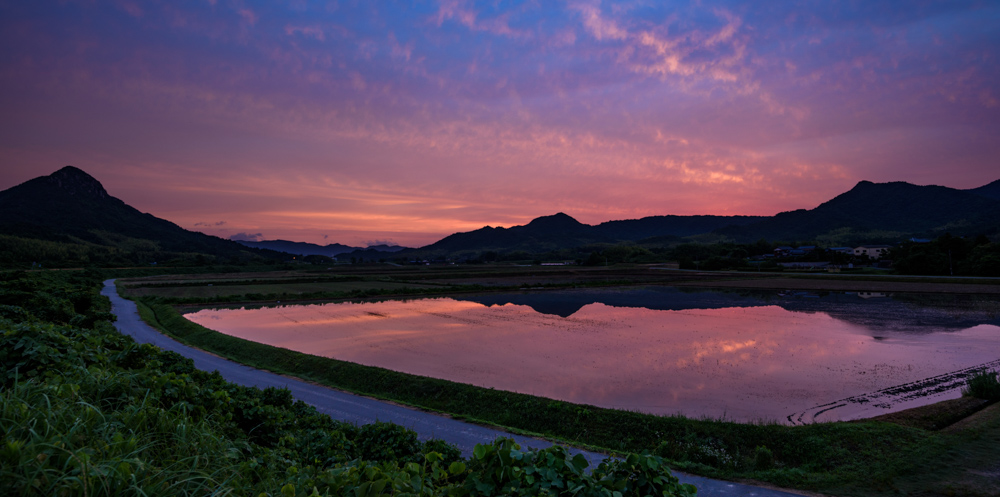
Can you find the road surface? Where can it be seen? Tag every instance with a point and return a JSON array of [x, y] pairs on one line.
[[362, 410]]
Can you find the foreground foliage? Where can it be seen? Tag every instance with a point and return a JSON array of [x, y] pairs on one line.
[[85, 410]]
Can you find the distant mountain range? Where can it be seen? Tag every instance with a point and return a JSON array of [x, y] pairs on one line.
[[868, 213], [71, 207], [304, 248]]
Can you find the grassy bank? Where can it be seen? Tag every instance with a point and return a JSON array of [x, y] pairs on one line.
[[271, 292], [867, 458]]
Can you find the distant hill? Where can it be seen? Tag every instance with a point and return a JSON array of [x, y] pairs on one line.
[[991, 190], [300, 248], [69, 213], [874, 212], [385, 248], [560, 231], [868, 213], [331, 250], [658, 226]]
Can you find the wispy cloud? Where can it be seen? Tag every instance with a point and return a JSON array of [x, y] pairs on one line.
[[460, 11], [247, 237]]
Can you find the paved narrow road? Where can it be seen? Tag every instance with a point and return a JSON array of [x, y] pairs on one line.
[[362, 410]]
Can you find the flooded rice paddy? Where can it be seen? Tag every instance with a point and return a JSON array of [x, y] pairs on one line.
[[791, 357]]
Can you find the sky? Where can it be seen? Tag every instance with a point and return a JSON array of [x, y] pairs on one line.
[[401, 122]]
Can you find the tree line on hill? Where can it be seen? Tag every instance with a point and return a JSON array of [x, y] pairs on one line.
[[948, 255], [945, 255]]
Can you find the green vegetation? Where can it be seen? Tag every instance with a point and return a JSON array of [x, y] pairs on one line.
[[85, 410], [277, 291], [203, 292], [983, 385], [867, 458], [949, 255]]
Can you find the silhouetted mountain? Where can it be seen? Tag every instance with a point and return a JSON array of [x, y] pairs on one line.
[[331, 250], [658, 226], [300, 248], [71, 207], [560, 231], [540, 235], [556, 224], [870, 211], [991, 190], [385, 248]]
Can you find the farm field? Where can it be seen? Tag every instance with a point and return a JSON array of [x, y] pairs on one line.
[[905, 454], [656, 349]]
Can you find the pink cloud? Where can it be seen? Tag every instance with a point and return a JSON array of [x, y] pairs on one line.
[[458, 10], [315, 32], [248, 16]]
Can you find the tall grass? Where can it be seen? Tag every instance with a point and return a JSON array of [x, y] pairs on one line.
[[983, 384], [57, 443]]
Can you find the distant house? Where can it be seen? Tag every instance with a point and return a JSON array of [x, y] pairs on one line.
[[872, 295], [920, 240], [874, 252], [785, 251], [842, 250], [782, 251], [804, 265]]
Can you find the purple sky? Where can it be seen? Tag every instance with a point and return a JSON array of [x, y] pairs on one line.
[[359, 122]]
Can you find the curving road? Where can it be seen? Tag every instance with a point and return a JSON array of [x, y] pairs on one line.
[[362, 410]]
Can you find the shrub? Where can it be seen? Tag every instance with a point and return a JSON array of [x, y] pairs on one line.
[[386, 441], [763, 458], [983, 384]]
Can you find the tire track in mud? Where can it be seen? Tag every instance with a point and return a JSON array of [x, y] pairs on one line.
[[892, 397]]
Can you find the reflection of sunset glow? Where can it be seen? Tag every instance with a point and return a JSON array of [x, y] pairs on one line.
[[744, 362]]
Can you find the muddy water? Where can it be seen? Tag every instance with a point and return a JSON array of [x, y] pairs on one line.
[[793, 357]]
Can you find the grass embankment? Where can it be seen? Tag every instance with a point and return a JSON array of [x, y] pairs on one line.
[[187, 294], [277, 290], [84, 410], [861, 458]]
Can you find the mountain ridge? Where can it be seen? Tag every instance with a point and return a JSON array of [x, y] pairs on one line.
[[306, 248], [895, 207], [70, 206], [990, 190]]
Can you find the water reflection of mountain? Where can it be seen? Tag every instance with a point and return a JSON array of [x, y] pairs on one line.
[[897, 313]]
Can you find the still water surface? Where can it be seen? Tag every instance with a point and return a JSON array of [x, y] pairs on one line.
[[743, 356]]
